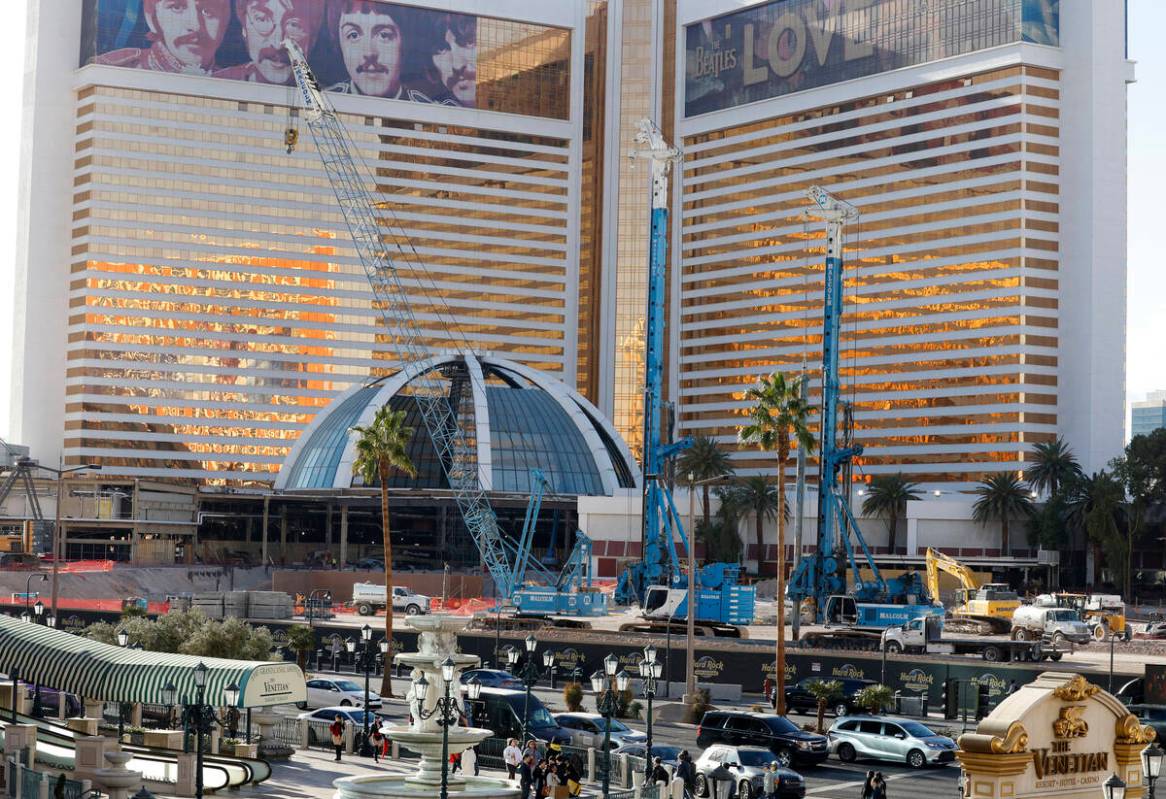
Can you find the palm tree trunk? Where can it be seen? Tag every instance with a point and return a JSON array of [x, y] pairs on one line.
[[821, 715], [386, 678], [779, 676], [1004, 548], [759, 534], [704, 498], [891, 529]]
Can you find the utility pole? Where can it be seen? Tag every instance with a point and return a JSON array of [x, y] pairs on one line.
[[690, 642], [800, 510]]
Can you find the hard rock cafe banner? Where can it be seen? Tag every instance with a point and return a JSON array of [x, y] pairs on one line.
[[786, 46], [354, 46]]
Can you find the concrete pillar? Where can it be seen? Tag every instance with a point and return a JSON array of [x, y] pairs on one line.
[[263, 532], [93, 708], [19, 739], [250, 529], [136, 714], [912, 536], [185, 774], [89, 755], [328, 527], [343, 535], [283, 535], [349, 737], [591, 775]]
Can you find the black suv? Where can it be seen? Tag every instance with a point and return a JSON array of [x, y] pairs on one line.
[[789, 743], [798, 696]]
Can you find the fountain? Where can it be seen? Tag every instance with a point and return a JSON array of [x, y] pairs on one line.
[[437, 642]]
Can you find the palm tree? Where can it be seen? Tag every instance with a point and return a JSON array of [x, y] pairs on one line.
[[704, 460], [888, 496], [756, 495], [777, 419], [1052, 466], [1095, 508], [301, 639], [1003, 496], [825, 691], [380, 449]]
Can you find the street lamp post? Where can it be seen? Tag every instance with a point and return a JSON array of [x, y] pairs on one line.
[[366, 656], [28, 594], [529, 676], [549, 663], [607, 702], [58, 542], [1114, 788], [1152, 757], [199, 717], [123, 640], [447, 707], [650, 670]]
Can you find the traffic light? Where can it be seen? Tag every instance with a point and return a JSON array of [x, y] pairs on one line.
[[950, 698], [982, 701]]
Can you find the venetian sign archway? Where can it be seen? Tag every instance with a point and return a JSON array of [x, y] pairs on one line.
[[1057, 735]]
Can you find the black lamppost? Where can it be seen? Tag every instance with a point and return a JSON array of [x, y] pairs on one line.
[[650, 671], [447, 707], [607, 703], [1114, 787], [366, 658], [1152, 757], [529, 676], [200, 718], [28, 594], [123, 640], [549, 664]]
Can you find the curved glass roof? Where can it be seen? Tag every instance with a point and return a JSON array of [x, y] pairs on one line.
[[533, 424]]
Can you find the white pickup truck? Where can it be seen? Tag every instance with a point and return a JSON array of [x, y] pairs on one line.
[[370, 597]]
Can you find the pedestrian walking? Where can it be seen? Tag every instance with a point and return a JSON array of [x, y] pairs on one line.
[[336, 730], [879, 786], [532, 750], [659, 773], [686, 771], [376, 740], [512, 757], [868, 785], [525, 777], [470, 761], [772, 780]]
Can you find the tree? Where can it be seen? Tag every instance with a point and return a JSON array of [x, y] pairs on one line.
[[825, 691], [381, 448], [777, 419], [704, 460], [233, 639], [874, 698], [1094, 507], [888, 496], [756, 495], [301, 639], [1052, 467], [721, 539], [1002, 497], [1141, 470], [190, 633]]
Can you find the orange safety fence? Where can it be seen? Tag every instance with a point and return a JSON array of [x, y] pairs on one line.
[[76, 566], [70, 603]]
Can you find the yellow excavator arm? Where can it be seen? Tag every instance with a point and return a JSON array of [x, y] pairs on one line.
[[936, 562]]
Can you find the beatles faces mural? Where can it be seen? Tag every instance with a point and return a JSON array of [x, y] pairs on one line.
[[354, 46]]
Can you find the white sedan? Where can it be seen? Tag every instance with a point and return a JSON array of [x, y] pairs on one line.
[[338, 692]]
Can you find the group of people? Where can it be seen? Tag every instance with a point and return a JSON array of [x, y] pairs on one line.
[[382, 49], [540, 773]]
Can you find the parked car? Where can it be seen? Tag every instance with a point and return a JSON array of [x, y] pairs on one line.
[[788, 742], [669, 755], [492, 678], [501, 709], [589, 730], [320, 720], [327, 692], [885, 738], [51, 698], [798, 696], [1133, 692], [370, 564], [748, 765]]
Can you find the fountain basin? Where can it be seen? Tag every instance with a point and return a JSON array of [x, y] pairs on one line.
[[428, 745], [376, 786]]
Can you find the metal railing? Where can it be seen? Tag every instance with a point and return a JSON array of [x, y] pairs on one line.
[[287, 732], [490, 753], [29, 782]]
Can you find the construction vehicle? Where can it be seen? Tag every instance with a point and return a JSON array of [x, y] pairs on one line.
[[823, 574], [925, 636], [657, 581], [442, 404], [1050, 621], [980, 609], [1102, 613]]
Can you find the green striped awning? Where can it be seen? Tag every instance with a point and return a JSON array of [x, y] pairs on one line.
[[68, 662]]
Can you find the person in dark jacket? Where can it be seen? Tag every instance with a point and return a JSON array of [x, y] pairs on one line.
[[659, 773], [525, 776], [878, 786], [868, 785], [686, 772]]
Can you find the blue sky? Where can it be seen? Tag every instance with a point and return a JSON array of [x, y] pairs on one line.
[[1147, 195]]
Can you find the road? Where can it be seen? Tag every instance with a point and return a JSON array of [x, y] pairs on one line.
[[831, 780]]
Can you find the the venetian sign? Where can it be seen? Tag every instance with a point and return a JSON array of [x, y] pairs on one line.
[[1057, 735]]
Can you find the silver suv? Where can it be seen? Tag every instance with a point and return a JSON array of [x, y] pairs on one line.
[[747, 765], [884, 738]]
